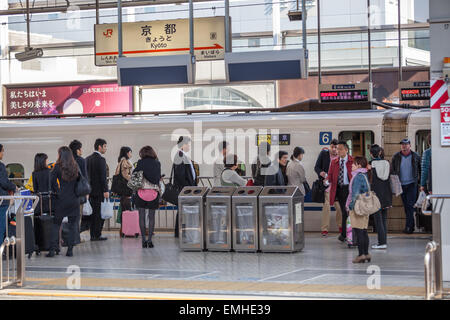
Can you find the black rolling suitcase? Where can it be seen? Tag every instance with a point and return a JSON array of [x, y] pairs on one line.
[[30, 243], [43, 224]]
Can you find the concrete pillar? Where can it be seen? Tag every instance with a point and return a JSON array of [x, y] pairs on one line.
[[440, 48], [4, 43], [276, 25]]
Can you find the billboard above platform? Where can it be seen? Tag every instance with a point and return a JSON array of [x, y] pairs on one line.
[[67, 99], [163, 37]]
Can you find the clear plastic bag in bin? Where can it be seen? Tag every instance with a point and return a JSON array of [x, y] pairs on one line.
[[276, 225], [190, 224], [217, 227], [245, 228]]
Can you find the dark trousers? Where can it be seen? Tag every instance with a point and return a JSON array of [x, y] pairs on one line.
[[380, 219], [409, 197], [362, 237], [57, 221], [342, 195], [96, 225], [176, 226]]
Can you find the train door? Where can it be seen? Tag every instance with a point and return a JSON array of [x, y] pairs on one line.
[[422, 142], [359, 142], [16, 171]]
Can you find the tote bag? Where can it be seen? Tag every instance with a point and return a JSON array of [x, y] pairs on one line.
[[367, 203]]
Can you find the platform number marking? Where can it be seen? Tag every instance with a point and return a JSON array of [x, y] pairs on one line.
[[325, 138]]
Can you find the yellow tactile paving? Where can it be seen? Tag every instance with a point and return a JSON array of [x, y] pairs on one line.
[[233, 286]]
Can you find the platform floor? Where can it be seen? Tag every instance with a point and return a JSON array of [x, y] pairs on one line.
[[324, 269]]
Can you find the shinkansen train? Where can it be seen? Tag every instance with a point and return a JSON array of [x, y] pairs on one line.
[[313, 131]]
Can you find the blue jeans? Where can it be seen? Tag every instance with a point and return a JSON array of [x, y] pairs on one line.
[[3, 210], [409, 197]]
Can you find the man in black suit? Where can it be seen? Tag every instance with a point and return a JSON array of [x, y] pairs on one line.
[[184, 172], [96, 167]]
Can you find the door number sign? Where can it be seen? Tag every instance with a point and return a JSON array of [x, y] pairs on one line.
[[325, 138]]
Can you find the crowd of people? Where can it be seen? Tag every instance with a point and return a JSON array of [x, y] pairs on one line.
[[342, 176]]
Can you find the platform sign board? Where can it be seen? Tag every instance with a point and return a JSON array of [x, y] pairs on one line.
[[352, 92], [325, 138], [414, 90], [445, 125], [67, 99], [162, 37]]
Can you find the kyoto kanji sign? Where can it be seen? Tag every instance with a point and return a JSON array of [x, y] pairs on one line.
[[160, 38], [445, 125], [75, 99]]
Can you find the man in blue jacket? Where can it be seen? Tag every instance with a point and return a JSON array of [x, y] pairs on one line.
[[406, 164]]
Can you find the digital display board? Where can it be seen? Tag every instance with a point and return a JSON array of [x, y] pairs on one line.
[[417, 90], [344, 96], [283, 139]]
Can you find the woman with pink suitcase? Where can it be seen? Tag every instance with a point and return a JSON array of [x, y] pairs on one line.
[[147, 197]]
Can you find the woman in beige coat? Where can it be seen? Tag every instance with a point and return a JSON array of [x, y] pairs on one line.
[[295, 171], [125, 167]]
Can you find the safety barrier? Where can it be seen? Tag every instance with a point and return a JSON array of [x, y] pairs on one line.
[[434, 288], [14, 246]]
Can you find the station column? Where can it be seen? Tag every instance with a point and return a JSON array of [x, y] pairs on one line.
[[440, 48]]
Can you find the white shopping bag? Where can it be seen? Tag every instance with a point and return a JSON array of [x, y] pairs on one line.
[[420, 199], [107, 209], [87, 209]]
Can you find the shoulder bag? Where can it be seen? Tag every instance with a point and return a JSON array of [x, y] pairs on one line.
[[367, 203], [120, 184], [82, 187], [137, 181], [171, 191]]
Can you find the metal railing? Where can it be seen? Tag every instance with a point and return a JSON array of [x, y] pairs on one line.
[[434, 288], [15, 245]]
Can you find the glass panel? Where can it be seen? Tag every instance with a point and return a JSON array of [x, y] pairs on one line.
[[245, 226], [217, 224], [276, 225], [190, 223]]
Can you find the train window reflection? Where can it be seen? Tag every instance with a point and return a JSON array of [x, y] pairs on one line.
[[359, 142], [16, 171], [422, 142]]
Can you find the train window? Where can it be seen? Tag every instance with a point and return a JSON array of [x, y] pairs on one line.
[[422, 143], [16, 171], [359, 142]]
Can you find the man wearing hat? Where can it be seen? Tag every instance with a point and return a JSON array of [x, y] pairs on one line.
[[184, 172], [406, 164]]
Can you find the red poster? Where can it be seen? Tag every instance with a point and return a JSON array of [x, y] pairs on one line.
[[86, 98]]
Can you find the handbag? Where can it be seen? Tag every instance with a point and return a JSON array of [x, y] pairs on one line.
[[82, 188], [119, 185], [367, 203], [318, 191], [87, 209], [307, 187], [137, 181], [396, 186], [171, 191]]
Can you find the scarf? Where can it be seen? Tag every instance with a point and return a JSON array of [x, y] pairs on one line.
[[350, 191]]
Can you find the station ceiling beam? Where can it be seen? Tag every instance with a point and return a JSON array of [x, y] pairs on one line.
[[44, 7]]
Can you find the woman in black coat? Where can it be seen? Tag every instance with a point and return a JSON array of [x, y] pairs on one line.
[[147, 199], [67, 204], [41, 184]]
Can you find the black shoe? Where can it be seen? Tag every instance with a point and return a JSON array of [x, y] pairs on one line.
[[69, 252], [50, 254], [102, 239], [57, 252], [408, 231], [150, 244], [144, 244], [341, 238]]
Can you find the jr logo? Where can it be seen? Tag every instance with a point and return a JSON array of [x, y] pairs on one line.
[[108, 33]]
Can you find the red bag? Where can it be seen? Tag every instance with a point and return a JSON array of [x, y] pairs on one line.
[[250, 183]]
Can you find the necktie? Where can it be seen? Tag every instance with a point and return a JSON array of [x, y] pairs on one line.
[[341, 173]]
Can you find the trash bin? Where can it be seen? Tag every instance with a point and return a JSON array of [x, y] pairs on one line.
[[281, 225], [218, 218], [191, 206], [245, 219]]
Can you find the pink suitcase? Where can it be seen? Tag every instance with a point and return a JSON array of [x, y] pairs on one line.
[[130, 224]]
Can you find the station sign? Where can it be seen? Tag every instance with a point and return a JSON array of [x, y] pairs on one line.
[[354, 92], [417, 90], [283, 139], [161, 37], [445, 125], [67, 99]]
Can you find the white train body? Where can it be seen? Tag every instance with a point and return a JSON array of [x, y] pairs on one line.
[[22, 139]]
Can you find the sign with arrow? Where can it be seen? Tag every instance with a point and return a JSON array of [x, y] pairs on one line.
[[163, 37]]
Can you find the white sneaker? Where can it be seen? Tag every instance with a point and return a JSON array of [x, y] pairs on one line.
[[379, 246]]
